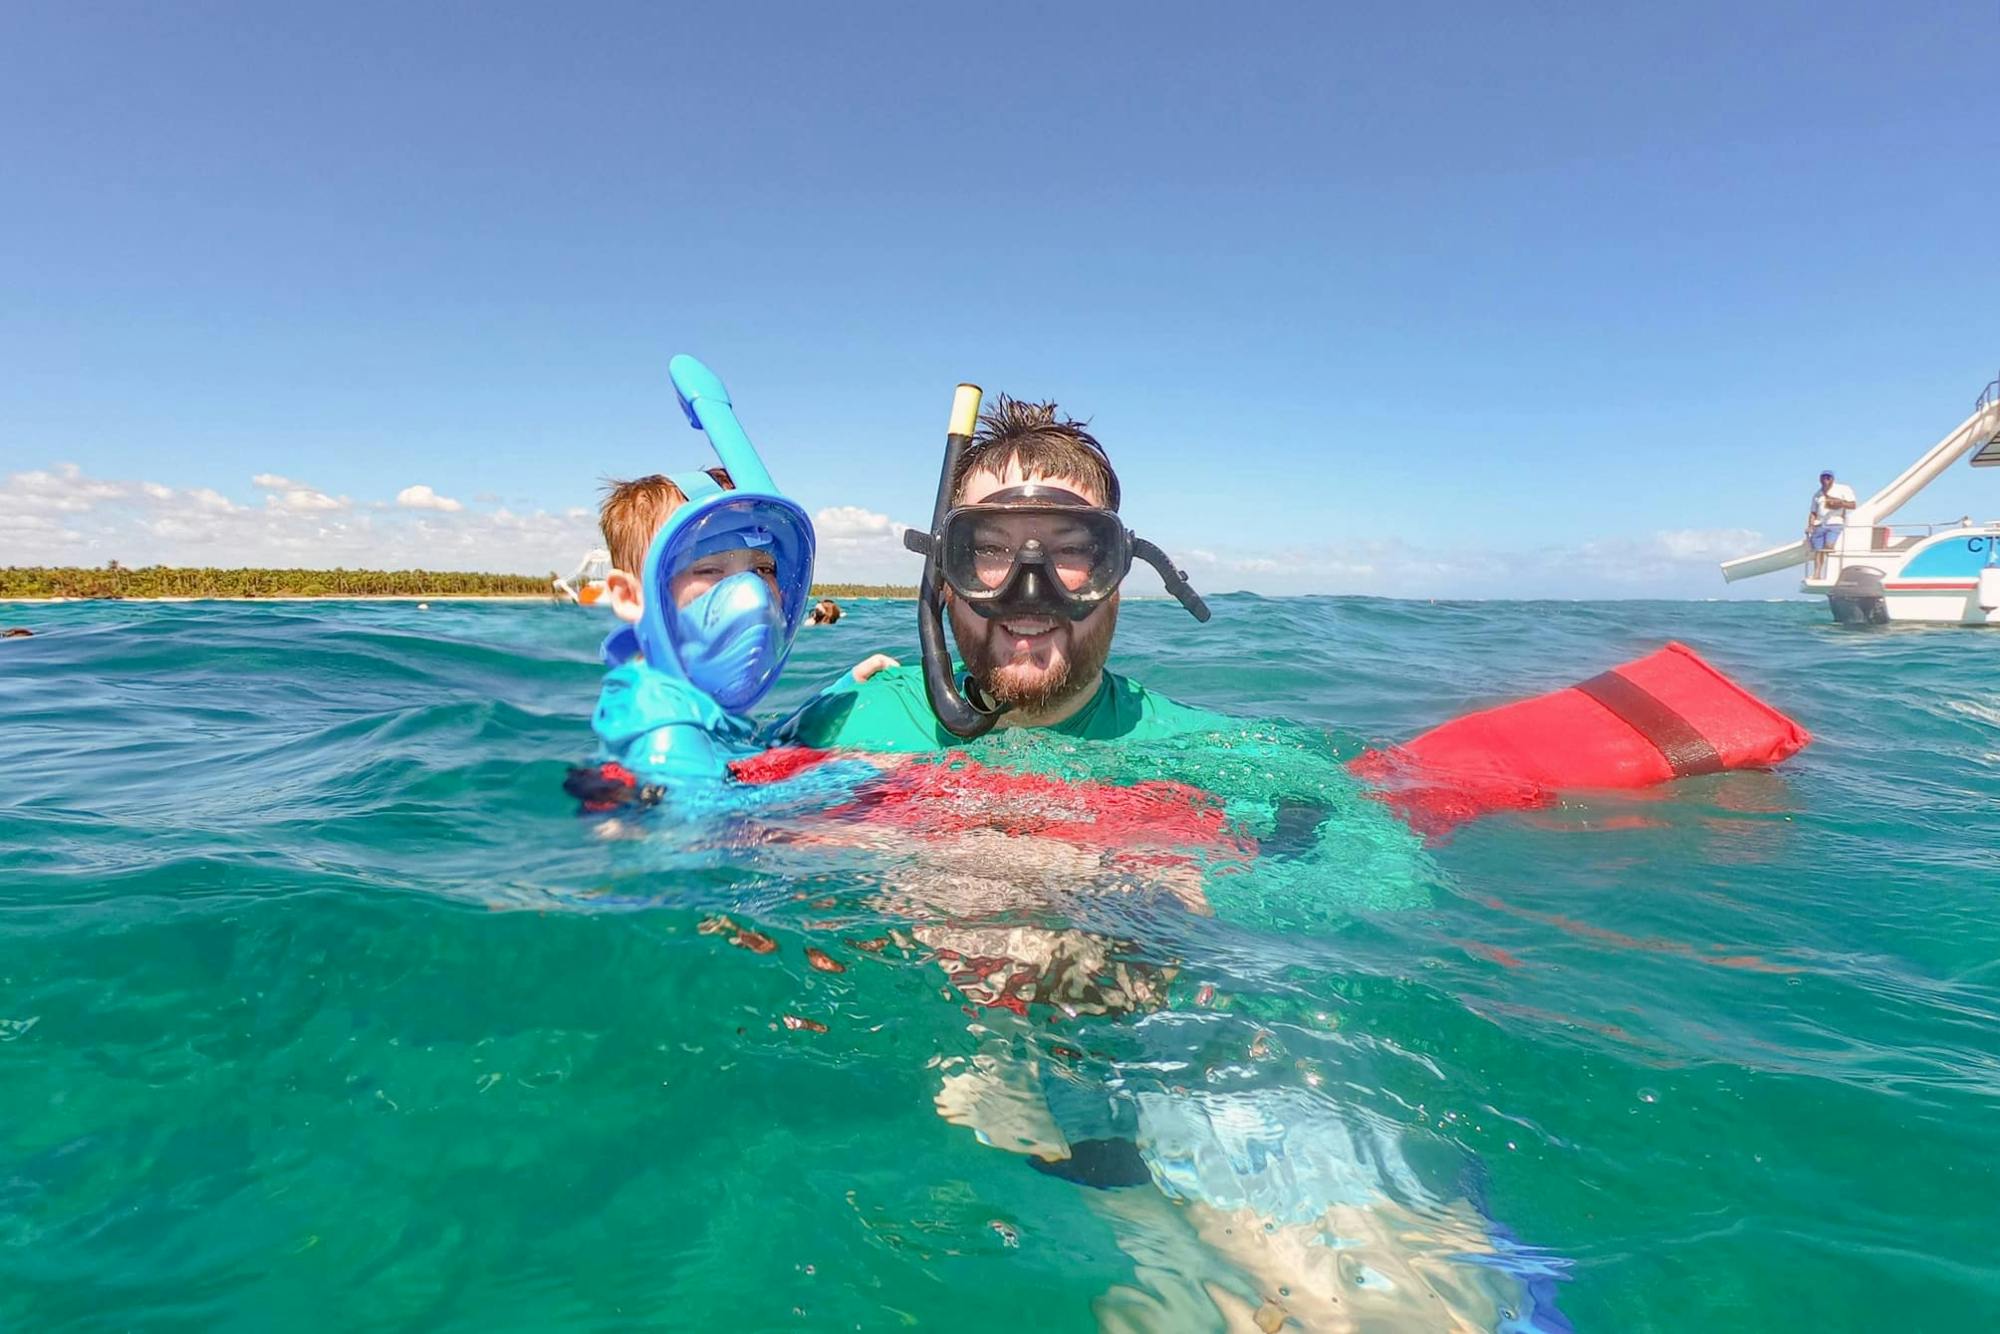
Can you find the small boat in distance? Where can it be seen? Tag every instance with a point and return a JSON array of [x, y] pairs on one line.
[[585, 584], [1936, 573]]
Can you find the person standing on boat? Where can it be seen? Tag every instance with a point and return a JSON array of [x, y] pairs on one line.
[[1826, 518]]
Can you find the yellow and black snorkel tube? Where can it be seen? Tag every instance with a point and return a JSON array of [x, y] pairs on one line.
[[962, 708]]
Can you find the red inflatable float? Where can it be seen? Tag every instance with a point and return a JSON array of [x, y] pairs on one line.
[[1664, 716], [1667, 715]]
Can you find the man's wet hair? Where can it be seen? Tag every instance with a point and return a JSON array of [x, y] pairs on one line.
[[1040, 441], [632, 513]]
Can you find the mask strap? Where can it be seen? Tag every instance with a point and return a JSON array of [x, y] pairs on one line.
[[620, 646], [1034, 493], [696, 485]]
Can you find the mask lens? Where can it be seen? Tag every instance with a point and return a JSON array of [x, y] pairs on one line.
[[706, 572], [1079, 548], [721, 545], [1077, 557], [993, 552]]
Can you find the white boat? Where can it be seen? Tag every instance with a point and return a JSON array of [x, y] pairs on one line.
[[1939, 573], [585, 584]]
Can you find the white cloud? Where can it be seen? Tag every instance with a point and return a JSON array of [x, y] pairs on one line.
[[1709, 544], [851, 522], [65, 491], [284, 493], [31, 528], [1676, 563], [1303, 566], [860, 546], [421, 497], [192, 529], [60, 516], [204, 498], [305, 499]]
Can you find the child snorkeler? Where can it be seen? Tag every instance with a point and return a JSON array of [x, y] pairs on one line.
[[712, 571]]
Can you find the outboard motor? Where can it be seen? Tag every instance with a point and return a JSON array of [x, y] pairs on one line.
[[1856, 598]]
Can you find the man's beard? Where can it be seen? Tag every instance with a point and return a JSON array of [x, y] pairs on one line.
[[1027, 688]]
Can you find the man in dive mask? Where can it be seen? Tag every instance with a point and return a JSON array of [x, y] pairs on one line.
[[1039, 663], [1029, 551]]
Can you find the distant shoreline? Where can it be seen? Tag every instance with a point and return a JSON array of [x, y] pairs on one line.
[[164, 583]]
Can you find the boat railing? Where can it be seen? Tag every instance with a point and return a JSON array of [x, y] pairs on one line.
[[1888, 536]]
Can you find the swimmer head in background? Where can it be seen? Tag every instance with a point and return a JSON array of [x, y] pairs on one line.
[[1033, 550], [731, 642]]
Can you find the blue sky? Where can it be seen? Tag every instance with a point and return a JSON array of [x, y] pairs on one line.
[[1419, 299]]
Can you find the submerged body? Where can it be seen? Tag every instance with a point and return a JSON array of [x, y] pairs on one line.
[[1058, 882]]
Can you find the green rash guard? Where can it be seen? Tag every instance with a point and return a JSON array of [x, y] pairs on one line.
[[1327, 848], [890, 713]]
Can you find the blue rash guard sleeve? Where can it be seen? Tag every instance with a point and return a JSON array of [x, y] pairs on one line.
[[675, 754], [664, 730]]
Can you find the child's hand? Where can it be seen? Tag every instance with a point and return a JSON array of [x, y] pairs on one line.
[[872, 664]]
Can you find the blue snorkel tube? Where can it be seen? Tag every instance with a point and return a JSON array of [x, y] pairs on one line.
[[731, 642], [710, 411]]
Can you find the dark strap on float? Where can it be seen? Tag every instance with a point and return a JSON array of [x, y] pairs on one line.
[[1685, 749]]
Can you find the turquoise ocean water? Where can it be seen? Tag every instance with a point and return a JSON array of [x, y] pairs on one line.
[[321, 1008]]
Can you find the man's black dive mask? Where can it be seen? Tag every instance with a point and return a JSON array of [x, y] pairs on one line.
[[1031, 550]]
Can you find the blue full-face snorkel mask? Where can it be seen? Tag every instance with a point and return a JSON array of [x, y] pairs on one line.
[[731, 642]]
